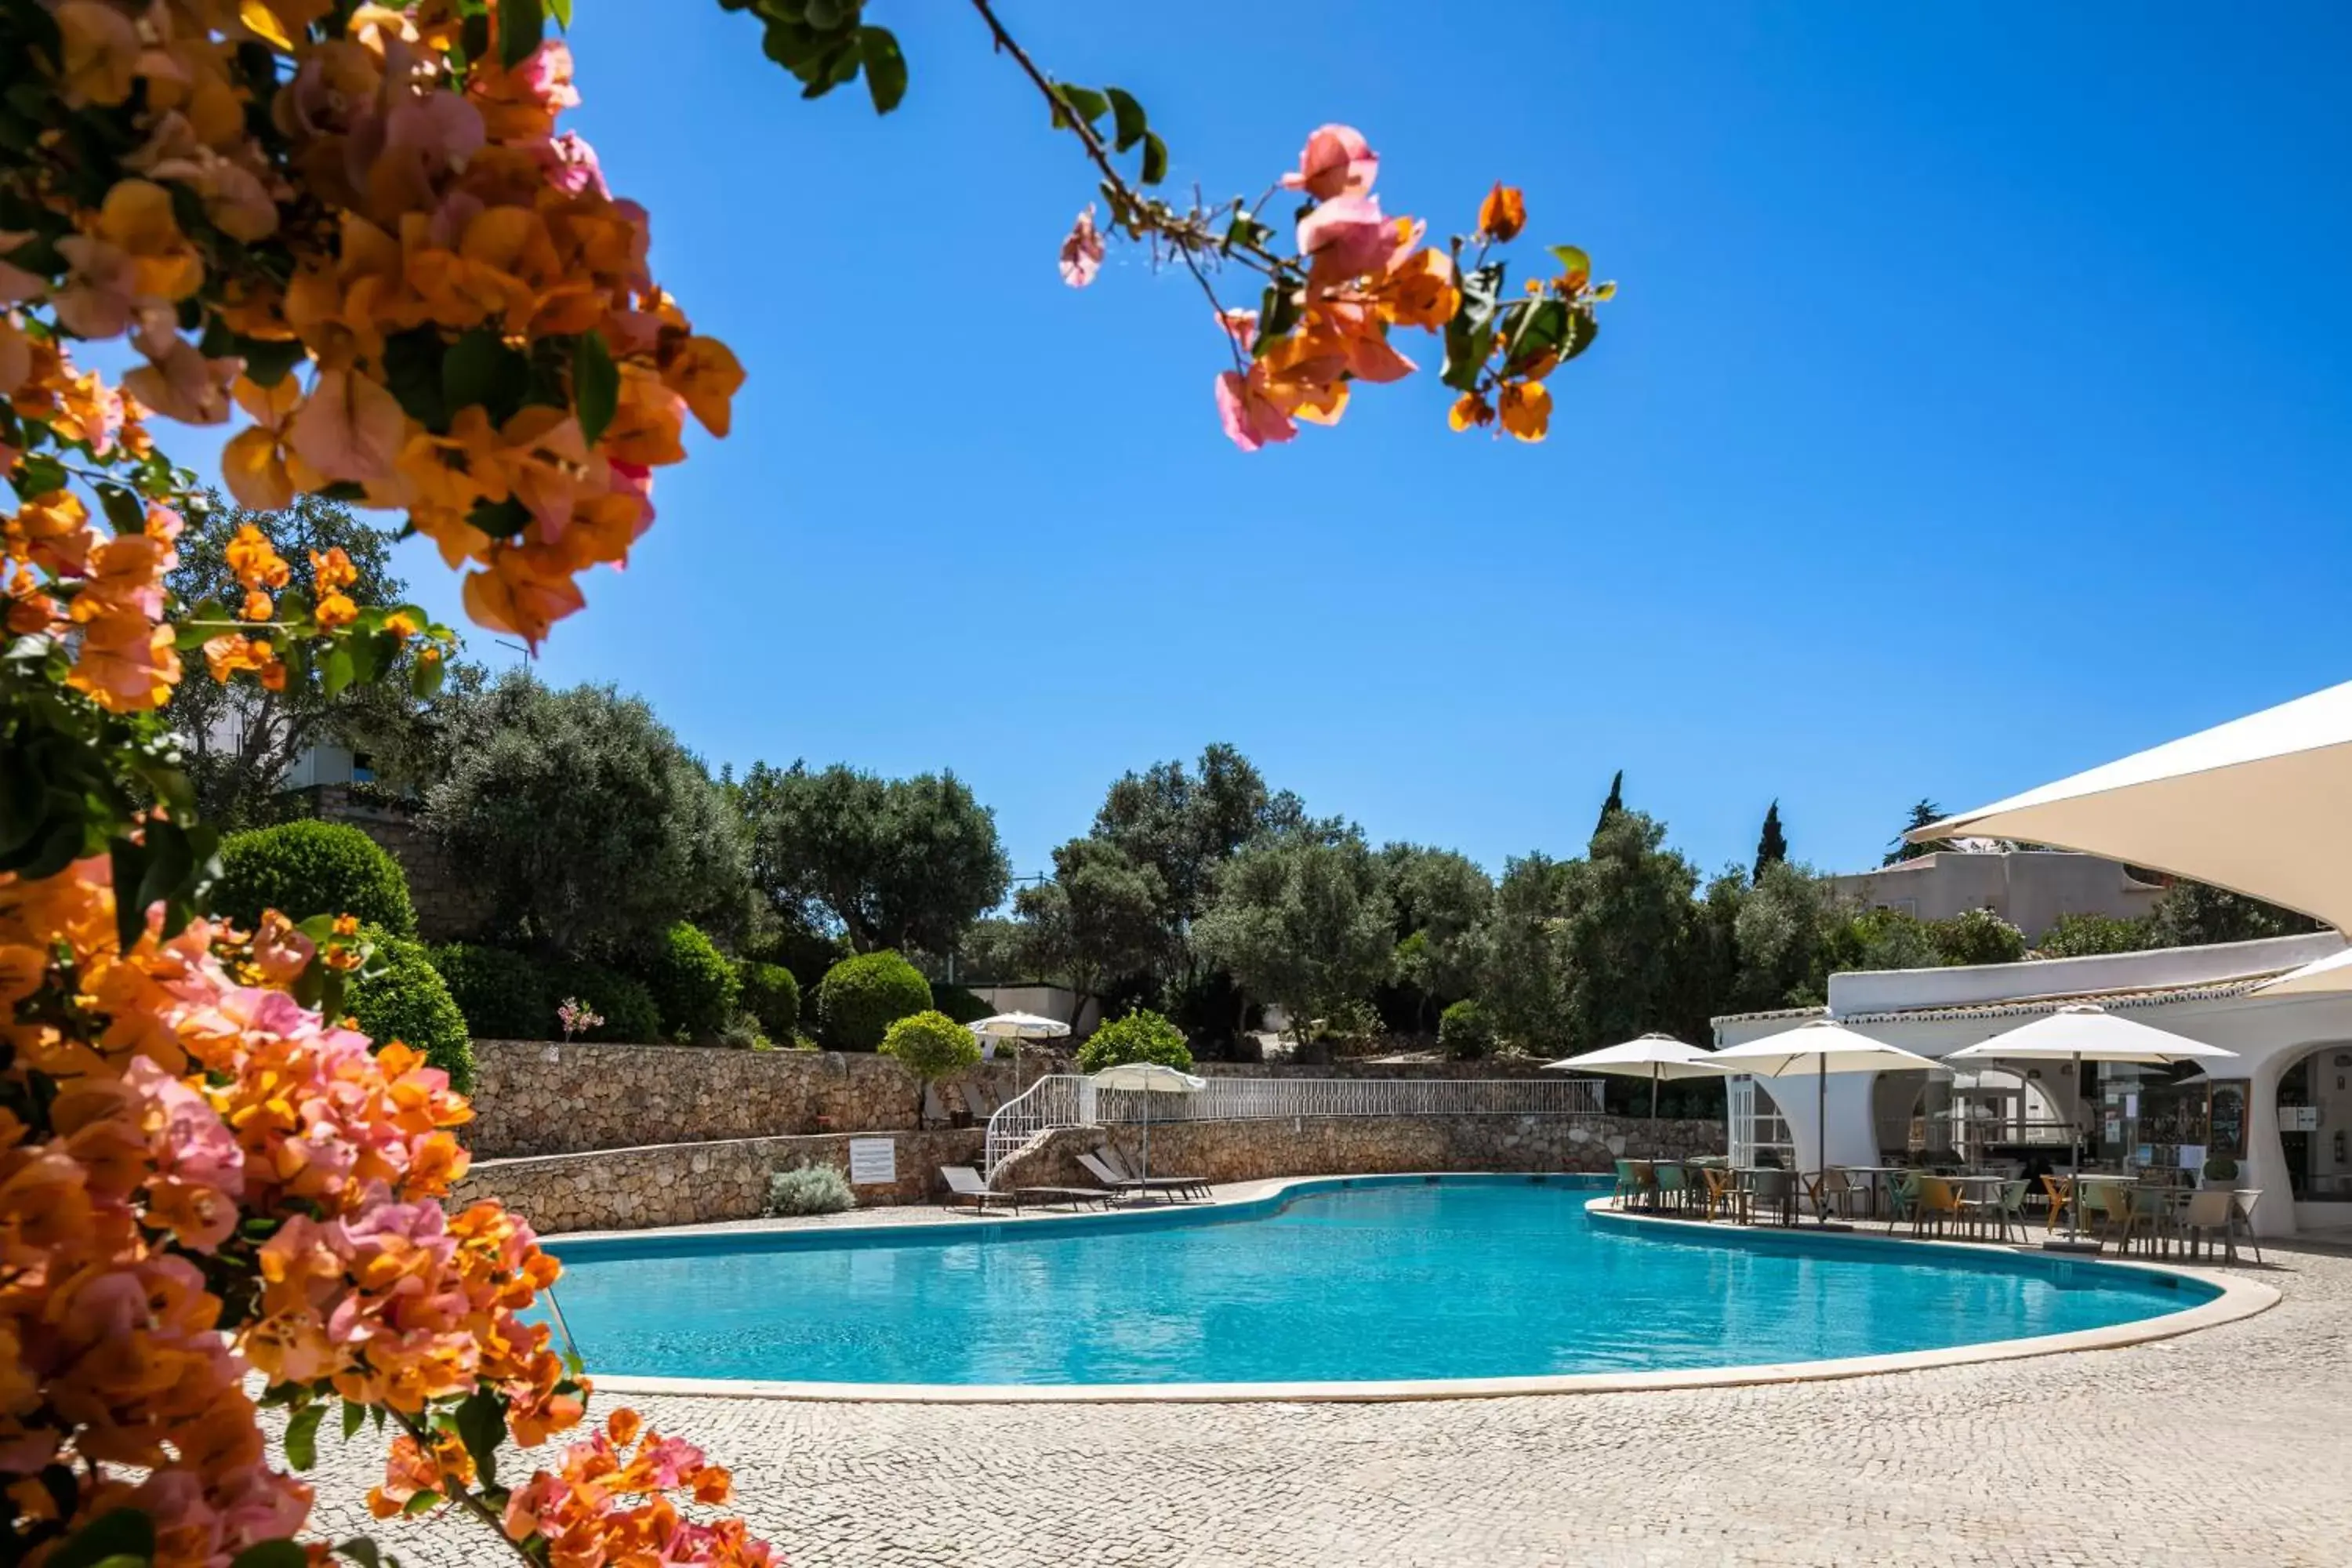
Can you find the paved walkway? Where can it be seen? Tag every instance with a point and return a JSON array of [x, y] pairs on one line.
[[2232, 1445]]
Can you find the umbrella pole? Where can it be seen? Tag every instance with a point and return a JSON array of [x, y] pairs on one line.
[[1654, 1150], [2075, 1161], [1820, 1138]]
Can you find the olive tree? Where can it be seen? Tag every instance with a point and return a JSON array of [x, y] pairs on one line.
[[1302, 919]]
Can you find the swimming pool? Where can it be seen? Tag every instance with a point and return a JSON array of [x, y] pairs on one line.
[[1367, 1279]]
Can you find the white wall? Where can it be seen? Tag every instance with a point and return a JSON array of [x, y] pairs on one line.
[[1045, 1001]]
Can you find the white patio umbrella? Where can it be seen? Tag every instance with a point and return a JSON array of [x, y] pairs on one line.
[[1017, 1028], [2082, 1033], [2255, 805], [1816, 1049], [1148, 1078], [1655, 1057]]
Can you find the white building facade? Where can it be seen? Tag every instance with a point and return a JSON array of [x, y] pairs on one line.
[[2281, 1110], [2030, 889]]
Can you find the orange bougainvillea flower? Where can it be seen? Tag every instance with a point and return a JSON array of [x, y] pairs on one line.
[[705, 373], [334, 611], [258, 606], [1470, 409], [255, 463], [1524, 409], [1503, 213], [255, 562], [332, 570]]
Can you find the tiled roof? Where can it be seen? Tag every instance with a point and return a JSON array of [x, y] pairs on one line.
[[2023, 1006]]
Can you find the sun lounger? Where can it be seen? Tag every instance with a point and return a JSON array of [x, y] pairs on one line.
[[1110, 1156], [964, 1186], [934, 1113], [1071, 1195], [1167, 1186]]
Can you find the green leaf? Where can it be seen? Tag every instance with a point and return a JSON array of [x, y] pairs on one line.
[[422, 1502], [481, 1420], [595, 386], [354, 1417], [1083, 101], [1466, 348], [272, 1553], [886, 67], [1127, 116], [336, 671], [479, 368], [362, 1551], [562, 11], [123, 510], [1155, 158], [124, 1535], [522, 25], [1573, 262], [425, 677]]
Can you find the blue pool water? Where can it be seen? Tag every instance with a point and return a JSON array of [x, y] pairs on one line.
[[1493, 1277]]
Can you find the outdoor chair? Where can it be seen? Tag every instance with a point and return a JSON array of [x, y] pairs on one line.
[[2241, 1210], [2003, 1208], [2060, 1191], [1774, 1190], [1936, 1205], [1902, 1198], [2148, 1217], [1673, 1188], [1645, 1183], [2209, 1213], [1724, 1195], [1188, 1184], [964, 1186], [1834, 1193], [2110, 1207], [934, 1114], [1622, 1194]]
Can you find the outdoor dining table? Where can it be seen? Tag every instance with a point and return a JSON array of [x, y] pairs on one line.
[[1881, 1181]]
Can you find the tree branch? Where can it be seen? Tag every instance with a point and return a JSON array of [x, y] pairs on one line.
[[473, 1505]]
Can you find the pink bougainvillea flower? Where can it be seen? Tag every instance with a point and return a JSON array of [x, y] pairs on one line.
[[1348, 236], [1251, 419], [1082, 250], [350, 427], [1336, 162], [1241, 325]]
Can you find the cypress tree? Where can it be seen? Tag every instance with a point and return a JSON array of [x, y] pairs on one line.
[[1771, 846], [1614, 804]]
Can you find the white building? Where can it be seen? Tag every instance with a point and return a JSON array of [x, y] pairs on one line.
[[2282, 1110], [2030, 889]]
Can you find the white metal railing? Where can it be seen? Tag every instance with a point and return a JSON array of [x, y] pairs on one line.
[[1071, 1099]]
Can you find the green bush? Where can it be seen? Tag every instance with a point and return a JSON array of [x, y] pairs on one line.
[[1977, 936], [770, 994], [404, 998], [964, 1007], [310, 867], [1143, 1035], [743, 1033], [503, 994], [1464, 1033], [859, 998], [631, 1016], [930, 1045], [693, 983], [809, 1189]]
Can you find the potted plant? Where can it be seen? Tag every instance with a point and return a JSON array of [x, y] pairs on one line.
[[2220, 1171]]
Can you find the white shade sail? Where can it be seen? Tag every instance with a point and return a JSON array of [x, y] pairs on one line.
[[1149, 1078], [1020, 1026], [1652, 1055], [2255, 805], [2089, 1034], [1822, 1046], [2327, 977]]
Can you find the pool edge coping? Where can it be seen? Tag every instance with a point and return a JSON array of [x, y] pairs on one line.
[[2238, 1299]]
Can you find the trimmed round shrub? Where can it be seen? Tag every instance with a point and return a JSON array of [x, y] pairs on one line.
[[859, 998], [502, 993], [693, 983], [1464, 1033], [770, 994], [1143, 1035], [930, 1045], [631, 1016], [408, 1001], [310, 867], [964, 1007]]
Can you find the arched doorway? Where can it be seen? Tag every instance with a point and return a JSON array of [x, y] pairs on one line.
[[2314, 1124]]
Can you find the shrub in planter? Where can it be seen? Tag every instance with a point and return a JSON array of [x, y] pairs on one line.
[[859, 998], [693, 983], [2220, 1171], [1464, 1032], [503, 994], [1143, 1035], [402, 997], [809, 1189], [964, 1007], [309, 868], [770, 994], [930, 1045], [630, 1014]]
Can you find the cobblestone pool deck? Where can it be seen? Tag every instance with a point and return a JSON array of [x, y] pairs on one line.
[[2229, 1446]]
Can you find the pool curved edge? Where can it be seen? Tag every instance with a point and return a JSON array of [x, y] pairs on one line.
[[2237, 1299]]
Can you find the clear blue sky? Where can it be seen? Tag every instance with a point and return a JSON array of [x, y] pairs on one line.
[[1974, 410]]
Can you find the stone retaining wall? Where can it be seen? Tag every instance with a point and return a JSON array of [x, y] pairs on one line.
[[1253, 1151], [539, 1097], [688, 1184]]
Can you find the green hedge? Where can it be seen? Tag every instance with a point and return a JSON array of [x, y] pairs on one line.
[[406, 1000], [859, 998], [631, 1016], [310, 867], [1464, 1033], [503, 994], [1143, 1035], [693, 983], [964, 1007], [772, 995]]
